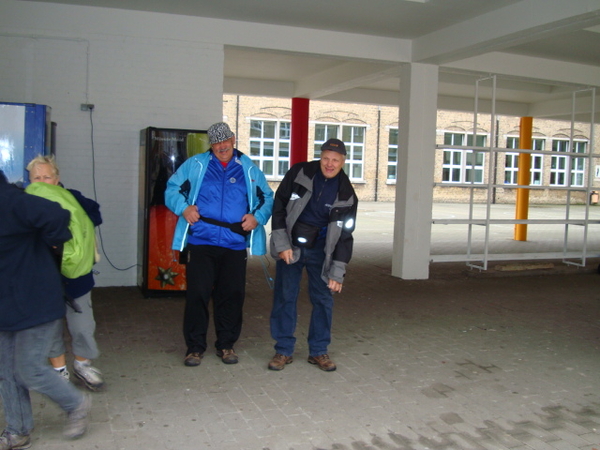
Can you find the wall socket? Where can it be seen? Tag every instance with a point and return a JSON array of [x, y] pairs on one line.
[[87, 106]]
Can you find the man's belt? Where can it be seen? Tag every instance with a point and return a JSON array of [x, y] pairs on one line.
[[235, 227]]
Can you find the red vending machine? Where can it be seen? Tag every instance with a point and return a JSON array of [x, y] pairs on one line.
[[162, 151]]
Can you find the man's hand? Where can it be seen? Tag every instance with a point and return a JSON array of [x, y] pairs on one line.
[[287, 255], [191, 214], [249, 222], [334, 286]]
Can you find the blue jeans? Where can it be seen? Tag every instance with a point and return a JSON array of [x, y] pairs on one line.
[[284, 313], [24, 366]]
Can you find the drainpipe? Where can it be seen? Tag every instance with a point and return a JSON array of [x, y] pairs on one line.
[[378, 152], [497, 139], [237, 115]]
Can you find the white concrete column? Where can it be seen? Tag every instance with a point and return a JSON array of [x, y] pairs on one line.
[[416, 160]]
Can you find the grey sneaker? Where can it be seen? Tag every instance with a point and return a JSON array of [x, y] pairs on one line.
[[91, 377], [64, 373], [9, 441], [78, 420]]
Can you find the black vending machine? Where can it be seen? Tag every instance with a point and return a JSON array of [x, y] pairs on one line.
[[162, 151]]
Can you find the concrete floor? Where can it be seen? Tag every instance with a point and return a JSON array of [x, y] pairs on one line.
[[465, 360]]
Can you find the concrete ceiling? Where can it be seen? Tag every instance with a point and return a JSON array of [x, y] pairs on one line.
[[541, 51]]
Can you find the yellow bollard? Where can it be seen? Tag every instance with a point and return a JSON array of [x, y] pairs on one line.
[[523, 178]]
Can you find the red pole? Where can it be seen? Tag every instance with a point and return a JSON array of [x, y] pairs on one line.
[[299, 137]]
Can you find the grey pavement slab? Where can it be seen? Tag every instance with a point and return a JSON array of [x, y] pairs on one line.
[[465, 360]]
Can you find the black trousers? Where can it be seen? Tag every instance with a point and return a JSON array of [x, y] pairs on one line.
[[219, 273]]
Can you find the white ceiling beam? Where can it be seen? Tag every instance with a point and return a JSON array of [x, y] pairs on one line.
[[526, 21], [551, 71], [260, 88], [581, 107], [343, 77]]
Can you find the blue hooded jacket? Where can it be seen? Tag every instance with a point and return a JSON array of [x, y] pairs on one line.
[[185, 184]]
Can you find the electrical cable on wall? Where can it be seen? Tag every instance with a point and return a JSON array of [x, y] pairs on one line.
[[91, 110]]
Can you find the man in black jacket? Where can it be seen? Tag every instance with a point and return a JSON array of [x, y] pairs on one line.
[[32, 306], [314, 214]]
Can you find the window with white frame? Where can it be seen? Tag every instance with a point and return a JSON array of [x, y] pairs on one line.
[[511, 162], [270, 147], [463, 166], [392, 164], [578, 164], [559, 164], [324, 132], [353, 137]]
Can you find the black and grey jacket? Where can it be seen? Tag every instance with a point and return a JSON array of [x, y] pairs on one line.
[[291, 198]]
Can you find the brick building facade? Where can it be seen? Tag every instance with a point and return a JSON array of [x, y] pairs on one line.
[[262, 126]]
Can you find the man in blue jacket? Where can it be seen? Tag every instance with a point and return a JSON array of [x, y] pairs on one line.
[[32, 306], [223, 202]]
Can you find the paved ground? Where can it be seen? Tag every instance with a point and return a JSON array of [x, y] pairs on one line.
[[465, 360]]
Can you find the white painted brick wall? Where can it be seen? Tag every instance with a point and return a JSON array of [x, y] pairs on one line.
[[134, 81]]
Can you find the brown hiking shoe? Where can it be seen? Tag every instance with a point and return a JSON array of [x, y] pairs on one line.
[[193, 359], [228, 356], [323, 362], [279, 361]]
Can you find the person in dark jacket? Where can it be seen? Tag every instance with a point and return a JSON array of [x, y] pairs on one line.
[[314, 215], [223, 201], [32, 306], [80, 322]]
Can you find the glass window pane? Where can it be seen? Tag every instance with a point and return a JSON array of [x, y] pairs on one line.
[[268, 167], [332, 131], [539, 144], [284, 149], [255, 129], [284, 130], [320, 132], [391, 175], [357, 153], [254, 148], [317, 151], [347, 134], [478, 176], [393, 155], [268, 149], [447, 156], [269, 130], [283, 167], [393, 137], [357, 171]]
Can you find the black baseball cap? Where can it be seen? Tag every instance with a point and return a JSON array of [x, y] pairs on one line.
[[334, 145]]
